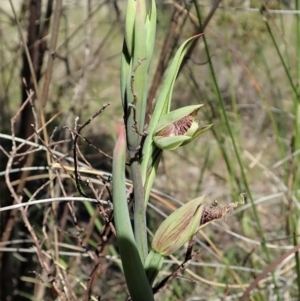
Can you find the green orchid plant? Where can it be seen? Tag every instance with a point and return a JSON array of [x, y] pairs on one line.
[[143, 147]]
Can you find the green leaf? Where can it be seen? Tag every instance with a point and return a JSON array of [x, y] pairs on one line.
[[125, 76], [162, 107], [170, 143], [175, 115], [151, 31], [129, 25], [134, 272], [152, 173], [164, 99]]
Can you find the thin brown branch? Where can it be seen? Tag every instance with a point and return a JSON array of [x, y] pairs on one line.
[[79, 129], [11, 221]]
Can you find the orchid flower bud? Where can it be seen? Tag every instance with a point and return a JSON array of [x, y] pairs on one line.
[[178, 227], [178, 128]]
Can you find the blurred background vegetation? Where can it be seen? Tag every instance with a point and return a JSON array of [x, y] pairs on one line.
[[246, 70]]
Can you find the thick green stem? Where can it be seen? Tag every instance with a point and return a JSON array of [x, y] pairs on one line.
[[153, 265], [135, 96], [140, 229]]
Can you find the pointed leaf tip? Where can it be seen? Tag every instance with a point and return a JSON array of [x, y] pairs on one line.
[[121, 141]]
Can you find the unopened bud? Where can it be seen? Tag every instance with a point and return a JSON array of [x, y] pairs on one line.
[[178, 227]]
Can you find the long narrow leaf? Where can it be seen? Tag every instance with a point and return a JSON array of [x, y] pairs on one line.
[[135, 275], [162, 107]]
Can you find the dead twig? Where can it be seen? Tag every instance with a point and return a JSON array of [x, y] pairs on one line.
[[79, 129], [178, 272]]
